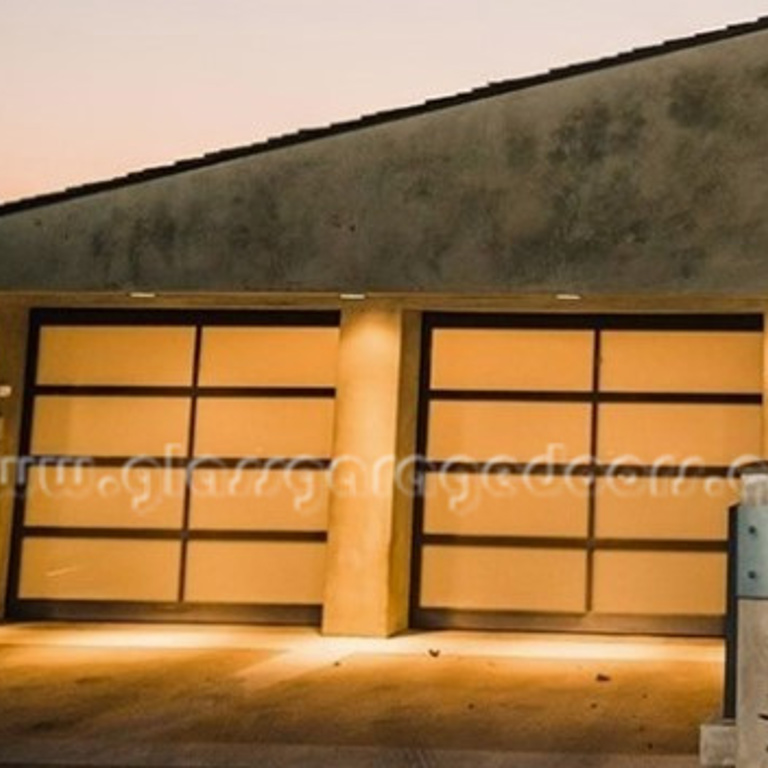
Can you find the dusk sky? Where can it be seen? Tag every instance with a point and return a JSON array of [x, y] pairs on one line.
[[91, 89]]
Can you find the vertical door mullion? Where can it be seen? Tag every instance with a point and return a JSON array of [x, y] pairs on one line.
[[420, 476], [21, 479], [188, 470], [593, 448]]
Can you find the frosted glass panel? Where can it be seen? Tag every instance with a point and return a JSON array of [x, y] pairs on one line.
[[99, 569], [512, 359], [115, 356], [256, 572], [522, 431], [265, 427], [662, 583], [488, 578], [269, 357], [110, 426], [101, 497], [499, 505], [656, 361]]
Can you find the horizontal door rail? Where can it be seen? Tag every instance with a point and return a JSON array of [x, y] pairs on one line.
[[591, 322], [56, 390], [584, 469], [544, 396], [186, 317], [566, 542], [172, 534]]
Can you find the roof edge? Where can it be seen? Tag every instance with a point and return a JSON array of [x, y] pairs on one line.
[[388, 116]]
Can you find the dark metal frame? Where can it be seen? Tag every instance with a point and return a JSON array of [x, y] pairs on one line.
[[731, 618], [180, 610], [596, 323]]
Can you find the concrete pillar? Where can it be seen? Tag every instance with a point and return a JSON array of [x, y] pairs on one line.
[[752, 708], [369, 536], [13, 343], [752, 593]]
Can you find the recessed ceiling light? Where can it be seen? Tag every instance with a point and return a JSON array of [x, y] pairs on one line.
[[352, 296], [142, 295], [568, 297]]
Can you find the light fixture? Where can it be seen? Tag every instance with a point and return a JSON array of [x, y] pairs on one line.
[[568, 297], [352, 296], [142, 295]]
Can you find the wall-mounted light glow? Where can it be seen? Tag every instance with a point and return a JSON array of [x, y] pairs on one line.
[[568, 297], [142, 295], [352, 296]]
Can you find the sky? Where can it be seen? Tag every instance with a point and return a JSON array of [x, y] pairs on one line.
[[92, 89]]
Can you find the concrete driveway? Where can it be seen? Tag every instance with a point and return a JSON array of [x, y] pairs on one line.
[[123, 695]]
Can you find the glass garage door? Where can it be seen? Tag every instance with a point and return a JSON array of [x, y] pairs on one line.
[[578, 469], [177, 465]]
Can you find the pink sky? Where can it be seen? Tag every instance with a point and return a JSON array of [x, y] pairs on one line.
[[91, 89]]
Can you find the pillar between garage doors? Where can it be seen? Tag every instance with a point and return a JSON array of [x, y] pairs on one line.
[[370, 517]]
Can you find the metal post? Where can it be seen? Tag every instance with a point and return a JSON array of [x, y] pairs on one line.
[[731, 618]]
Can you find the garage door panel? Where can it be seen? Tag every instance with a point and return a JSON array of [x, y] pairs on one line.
[[503, 505], [110, 426], [711, 434], [264, 427], [503, 359], [269, 356], [99, 569], [259, 500], [695, 362], [678, 508], [679, 393], [110, 356], [660, 583], [521, 431], [284, 573], [101, 497], [503, 579], [105, 531]]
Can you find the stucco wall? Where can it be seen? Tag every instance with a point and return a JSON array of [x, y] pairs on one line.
[[651, 177]]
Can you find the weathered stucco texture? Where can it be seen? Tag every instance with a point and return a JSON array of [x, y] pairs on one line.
[[650, 177]]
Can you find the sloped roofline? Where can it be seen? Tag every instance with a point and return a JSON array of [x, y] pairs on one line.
[[388, 116]]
